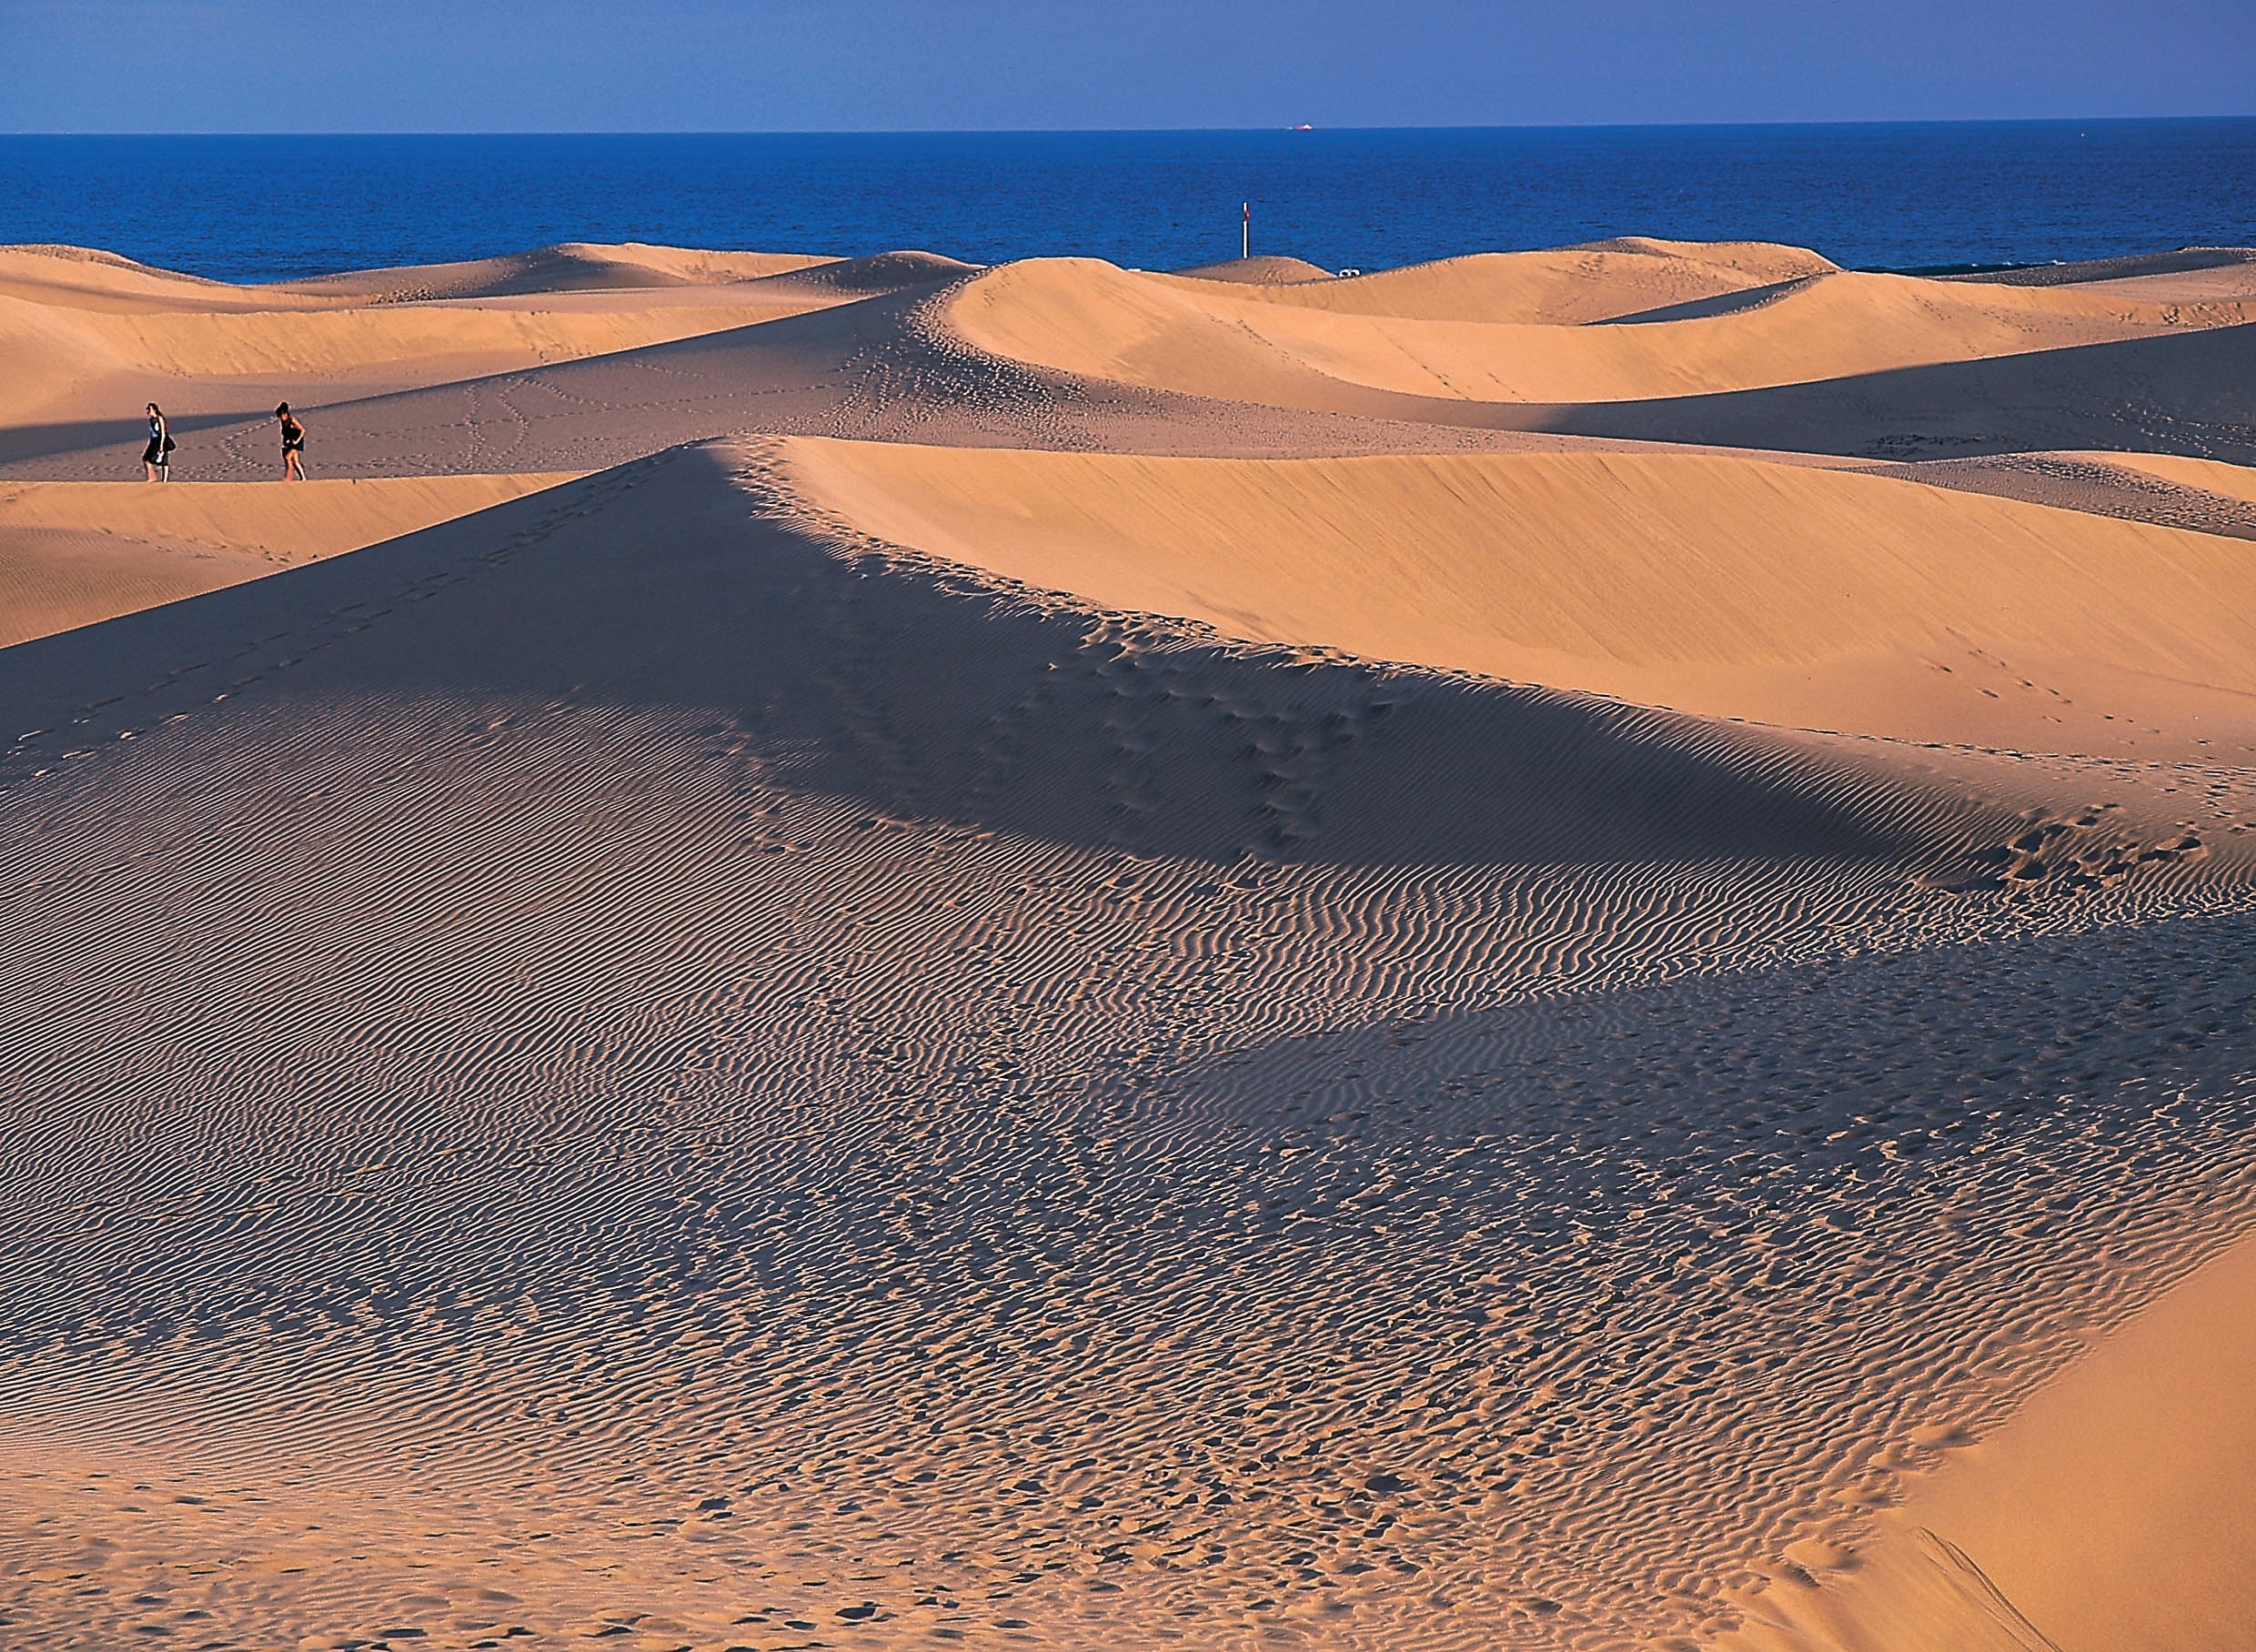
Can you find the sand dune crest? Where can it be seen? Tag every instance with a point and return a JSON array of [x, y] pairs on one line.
[[1806, 598]]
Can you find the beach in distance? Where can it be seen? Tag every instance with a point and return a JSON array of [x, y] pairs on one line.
[[1079, 947]]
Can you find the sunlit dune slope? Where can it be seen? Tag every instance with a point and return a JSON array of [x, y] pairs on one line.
[[1562, 287], [2110, 1512], [144, 354], [569, 266], [84, 333], [71, 553], [83, 278], [2212, 476], [1083, 317], [1813, 598], [1267, 270]]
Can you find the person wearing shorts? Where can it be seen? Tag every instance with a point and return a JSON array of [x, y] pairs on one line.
[[293, 445], [156, 458]]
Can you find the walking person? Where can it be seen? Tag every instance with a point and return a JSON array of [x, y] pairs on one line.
[[156, 458], [293, 445]]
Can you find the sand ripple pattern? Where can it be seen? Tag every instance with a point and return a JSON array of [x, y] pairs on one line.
[[695, 1135]]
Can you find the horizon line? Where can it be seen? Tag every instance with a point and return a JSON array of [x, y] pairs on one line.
[[2017, 120]]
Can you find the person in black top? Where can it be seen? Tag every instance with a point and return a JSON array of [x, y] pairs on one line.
[[293, 445], [156, 458]]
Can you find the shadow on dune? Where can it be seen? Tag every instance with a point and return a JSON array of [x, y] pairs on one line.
[[927, 691], [113, 445], [2184, 261], [2192, 393]]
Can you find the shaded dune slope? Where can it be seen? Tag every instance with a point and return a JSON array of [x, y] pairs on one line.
[[2185, 395]]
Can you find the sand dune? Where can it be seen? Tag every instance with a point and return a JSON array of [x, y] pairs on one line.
[[1809, 598], [2186, 393], [2110, 1512], [908, 365], [387, 344], [959, 943], [83, 278], [1072, 958], [571, 267], [2203, 495], [2227, 263], [71, 553], [883, 369], [1265, 271], [93, 333], [1102, 323], [2209, 475], [1575, 285]]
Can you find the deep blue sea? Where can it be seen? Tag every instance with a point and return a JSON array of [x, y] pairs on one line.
[[1890, 196]]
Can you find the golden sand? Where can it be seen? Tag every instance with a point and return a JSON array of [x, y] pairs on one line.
[[1541, 951]]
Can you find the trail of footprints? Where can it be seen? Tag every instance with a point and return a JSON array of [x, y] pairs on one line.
[[2083, 851]]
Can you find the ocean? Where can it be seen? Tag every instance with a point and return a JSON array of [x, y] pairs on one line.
[[1896, 196]]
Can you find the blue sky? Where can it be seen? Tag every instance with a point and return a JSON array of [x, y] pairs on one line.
[[473, 65]]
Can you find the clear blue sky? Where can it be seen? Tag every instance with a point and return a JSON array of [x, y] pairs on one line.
[[557, 65]]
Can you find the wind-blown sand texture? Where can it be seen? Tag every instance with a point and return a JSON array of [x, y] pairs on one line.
[[1545, 952]]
